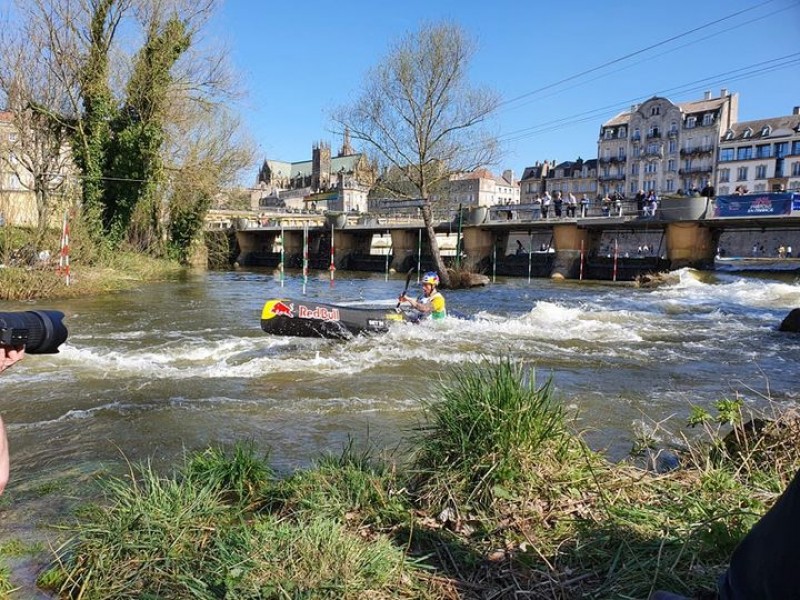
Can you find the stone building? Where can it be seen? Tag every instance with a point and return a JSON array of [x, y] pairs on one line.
[[577, 177], [478, 188], [533, 182], [339, 182], [760, 156], [21, 151], [662, 146]]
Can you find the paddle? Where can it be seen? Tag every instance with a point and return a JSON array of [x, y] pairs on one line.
[[405, 289]]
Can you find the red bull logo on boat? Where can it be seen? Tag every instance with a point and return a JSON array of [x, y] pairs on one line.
[[277, 308], [318, 312]]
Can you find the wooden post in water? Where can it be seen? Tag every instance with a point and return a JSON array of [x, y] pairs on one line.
[[580, 276]]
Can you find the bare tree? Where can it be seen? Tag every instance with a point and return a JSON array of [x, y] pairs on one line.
[[422, 118], [37, 150], [117, 90]]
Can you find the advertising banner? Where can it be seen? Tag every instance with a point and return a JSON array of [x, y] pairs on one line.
[[756, 205]]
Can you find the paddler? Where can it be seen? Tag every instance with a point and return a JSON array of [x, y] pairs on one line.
[[432, 302]]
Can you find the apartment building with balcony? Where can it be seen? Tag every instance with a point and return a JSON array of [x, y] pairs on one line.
[[760, 156], [663, 146]]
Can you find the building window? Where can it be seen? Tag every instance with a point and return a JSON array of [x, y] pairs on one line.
[[655, 111], [651, 167], [635, 169], [796, 169], [609, 134], [671, 165], [621, 153], [729, 134], [622, 132], [763, 151], [761, 172], [673, 127], [673, 146], [636, 134], [747, 133], [724, 175], [744, 153], [708, 119], [741, 174], [691, 122], [725, 154], [670, 185], [781, 149], [687, 164], [765, 131]]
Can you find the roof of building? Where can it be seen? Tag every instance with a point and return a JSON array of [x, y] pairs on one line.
[[692, 107], [765, 128], [291, 170]]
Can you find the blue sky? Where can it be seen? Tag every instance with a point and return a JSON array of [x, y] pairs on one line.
[[562, 69]]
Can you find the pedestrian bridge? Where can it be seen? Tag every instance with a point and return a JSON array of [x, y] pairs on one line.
[[514, 239]]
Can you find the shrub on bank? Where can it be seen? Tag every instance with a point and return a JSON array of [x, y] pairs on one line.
[[499, 497]]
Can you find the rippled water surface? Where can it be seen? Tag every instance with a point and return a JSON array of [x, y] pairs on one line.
[[176, 366]]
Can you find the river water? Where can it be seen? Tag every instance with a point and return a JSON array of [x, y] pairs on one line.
[[177, 366]]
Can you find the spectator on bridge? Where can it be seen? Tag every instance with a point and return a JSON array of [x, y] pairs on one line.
[[572, 205], [584, 206], [640, 203], [546, 204], [558, 203], [605, 205]]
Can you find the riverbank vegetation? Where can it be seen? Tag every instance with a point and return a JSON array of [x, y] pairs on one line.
[[128, 139], [29, 267], [497, 495]]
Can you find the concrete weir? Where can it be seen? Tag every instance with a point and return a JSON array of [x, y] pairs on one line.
[[617, 247]]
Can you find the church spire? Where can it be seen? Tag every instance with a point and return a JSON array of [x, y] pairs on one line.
[[346, 150]]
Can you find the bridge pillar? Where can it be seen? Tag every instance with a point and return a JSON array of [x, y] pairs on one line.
[[253, 242], [347, 243], [567, 240], [690, 245], [404, 248], [478, 244]]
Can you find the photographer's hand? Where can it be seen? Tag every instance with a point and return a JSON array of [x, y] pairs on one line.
[[8, 356]]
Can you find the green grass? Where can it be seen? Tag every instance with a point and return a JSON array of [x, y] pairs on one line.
[[483, 427], [499, 498]]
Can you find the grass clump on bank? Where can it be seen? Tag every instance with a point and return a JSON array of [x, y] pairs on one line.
[[30, 262], [499, 497]]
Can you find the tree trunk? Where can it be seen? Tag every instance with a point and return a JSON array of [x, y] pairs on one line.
[[436, 254]]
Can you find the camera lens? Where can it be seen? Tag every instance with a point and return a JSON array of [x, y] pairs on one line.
[[40, 331]]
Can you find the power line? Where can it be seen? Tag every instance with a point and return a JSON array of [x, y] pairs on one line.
[[753, 70], [635, 53], [671, 50]]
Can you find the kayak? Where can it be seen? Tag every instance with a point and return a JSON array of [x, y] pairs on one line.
[[314, 319]]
